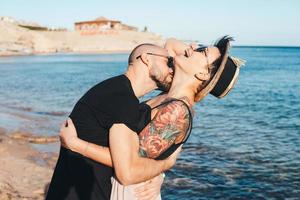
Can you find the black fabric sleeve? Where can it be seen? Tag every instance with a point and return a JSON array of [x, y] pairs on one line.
[[126, 111]]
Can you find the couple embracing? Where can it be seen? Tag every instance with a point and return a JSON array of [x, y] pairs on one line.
[[113, 146]]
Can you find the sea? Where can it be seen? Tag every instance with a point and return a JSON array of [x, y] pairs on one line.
[[244, 146]]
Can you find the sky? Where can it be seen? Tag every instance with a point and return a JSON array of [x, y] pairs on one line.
[[255, 22]]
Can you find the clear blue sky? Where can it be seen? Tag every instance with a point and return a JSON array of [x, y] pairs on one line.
[[255, 22]]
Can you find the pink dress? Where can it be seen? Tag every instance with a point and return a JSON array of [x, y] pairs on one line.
[[121, 192]]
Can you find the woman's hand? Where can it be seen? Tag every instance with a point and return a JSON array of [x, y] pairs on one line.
[[150, 189], [176, 47], [68, 135], [190, 49]]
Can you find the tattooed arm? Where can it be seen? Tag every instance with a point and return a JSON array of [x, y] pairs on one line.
[[169, 126]]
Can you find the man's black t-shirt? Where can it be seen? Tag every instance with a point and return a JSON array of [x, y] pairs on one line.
[[109, 102]]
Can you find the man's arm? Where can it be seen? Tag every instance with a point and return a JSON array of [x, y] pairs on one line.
[[69, 139], [169, 125], [129, 167]]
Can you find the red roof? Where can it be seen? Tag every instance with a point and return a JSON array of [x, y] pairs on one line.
[[99, 19]]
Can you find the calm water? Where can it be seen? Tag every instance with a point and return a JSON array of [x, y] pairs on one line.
[[246, 146]]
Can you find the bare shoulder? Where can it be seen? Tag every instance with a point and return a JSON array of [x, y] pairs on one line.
[[156, 100], [176, 108]]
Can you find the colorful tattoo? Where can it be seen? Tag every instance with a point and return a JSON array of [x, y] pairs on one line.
[[169, 124]]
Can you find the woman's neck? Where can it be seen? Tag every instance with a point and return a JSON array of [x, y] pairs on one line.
[[182, 91]]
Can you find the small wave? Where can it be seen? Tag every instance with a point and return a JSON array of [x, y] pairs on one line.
[[27, 109], [53, 113], [187, 183], [186, 165], [34, 138], [182, 182], [229, 175]]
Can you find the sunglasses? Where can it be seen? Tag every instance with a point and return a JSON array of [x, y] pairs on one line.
[[202, 48], [170, 62]]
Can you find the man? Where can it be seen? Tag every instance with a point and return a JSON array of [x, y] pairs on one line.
[[108, 115]]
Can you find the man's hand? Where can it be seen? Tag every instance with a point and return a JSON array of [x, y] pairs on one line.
[[150, 189], [68, 134], [69, 139]]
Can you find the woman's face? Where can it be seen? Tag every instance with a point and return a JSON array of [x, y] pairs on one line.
[[197, 61]]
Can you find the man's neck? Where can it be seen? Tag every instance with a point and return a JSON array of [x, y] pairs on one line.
[[140, 84]]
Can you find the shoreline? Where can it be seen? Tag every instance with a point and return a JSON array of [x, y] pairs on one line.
[[102, 52], [25, 172]]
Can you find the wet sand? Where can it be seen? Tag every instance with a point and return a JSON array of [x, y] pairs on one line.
[[24, 171]]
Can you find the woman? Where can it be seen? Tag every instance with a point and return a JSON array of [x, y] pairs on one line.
[[197, 71]]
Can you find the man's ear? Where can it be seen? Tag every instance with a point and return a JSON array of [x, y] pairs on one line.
[[145, 59]]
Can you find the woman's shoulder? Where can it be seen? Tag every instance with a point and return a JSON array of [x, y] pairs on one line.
[[155, 101], [174, 104]]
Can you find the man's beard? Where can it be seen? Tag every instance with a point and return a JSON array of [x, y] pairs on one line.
[[162, 85]]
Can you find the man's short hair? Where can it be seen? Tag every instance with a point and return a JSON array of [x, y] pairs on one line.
[[137, 51]]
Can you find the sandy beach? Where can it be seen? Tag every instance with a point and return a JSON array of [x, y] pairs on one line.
[[16, 40], [25, 172]]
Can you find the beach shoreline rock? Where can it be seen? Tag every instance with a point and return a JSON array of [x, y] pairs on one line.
[[34, 138]]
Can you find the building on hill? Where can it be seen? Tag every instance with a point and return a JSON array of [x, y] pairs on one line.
[[101, 25]]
